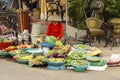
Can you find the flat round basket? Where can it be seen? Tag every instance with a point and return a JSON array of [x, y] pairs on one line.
[[22, 61], [4, 54], [80, 68], [54, 63], [12, 54], [93, 59], [101, 63], [35, 51]]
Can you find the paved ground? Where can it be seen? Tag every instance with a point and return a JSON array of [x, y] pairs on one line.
[[10, 70]]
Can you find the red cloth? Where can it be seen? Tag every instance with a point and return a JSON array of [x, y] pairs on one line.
[[55, 30]]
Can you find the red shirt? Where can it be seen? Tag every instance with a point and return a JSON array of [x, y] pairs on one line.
[[55, 30]]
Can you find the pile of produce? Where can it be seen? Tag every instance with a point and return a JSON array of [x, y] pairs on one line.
[[81, 46], [80, 62], [55, 53], [59, 43], [50, 39], [56, 60], [6, 39], [10, 48], [15, 52], [77, 54], [96, 61], [37, 60], [23, 57], [80, 65]]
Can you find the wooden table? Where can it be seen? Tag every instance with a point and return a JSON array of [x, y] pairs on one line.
[[108, 31]]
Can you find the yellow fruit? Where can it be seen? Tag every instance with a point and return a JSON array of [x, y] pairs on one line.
[[38, 40], [59, 43], [6, 40]]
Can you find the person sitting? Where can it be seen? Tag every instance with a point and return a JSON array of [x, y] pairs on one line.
[[55, 28], [55, 31]]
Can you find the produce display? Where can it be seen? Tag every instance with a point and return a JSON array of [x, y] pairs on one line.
[[50, 39], [38, 60], [10, 48], [23, 57], [68, 61], [100, 63], [26, 46], [14, 52], [35, 51], [59, 43], [81, 46], [76, 54], [6, 39], [56, 54], [56, 60], [94, 51], [80, 62], [80, 65], [66, 48], [93, 59], [96, 61]]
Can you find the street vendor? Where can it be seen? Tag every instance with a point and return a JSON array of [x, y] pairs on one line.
[[55, 31], [55, 28]]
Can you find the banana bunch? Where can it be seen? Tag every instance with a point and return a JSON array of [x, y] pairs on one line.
[[59, 43], [26, 57], [23, 57]]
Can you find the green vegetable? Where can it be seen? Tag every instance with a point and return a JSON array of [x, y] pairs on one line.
[[50, 39]]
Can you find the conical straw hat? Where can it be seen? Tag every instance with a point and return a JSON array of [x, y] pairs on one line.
[[54, 17]]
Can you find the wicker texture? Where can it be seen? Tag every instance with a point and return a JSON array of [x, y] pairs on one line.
[[93, 27], [115, 30], [93, 23]]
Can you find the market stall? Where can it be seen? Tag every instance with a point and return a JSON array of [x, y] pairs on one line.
[[78, 57]]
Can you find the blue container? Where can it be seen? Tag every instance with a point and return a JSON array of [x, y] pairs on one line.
[[50, 67], [44, 44], [81, 68], [4, 54], [55, 66]]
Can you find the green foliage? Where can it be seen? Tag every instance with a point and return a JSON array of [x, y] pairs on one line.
[[76, 11], [80, 26], [111, 10]]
